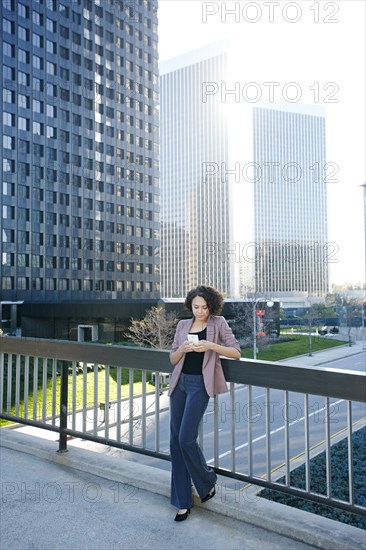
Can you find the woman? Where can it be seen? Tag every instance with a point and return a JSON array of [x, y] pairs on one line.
[[197, 376]]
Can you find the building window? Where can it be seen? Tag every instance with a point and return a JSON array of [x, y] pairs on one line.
[[50, 284], [8, 96], [8, 49], [7, 283], [8, 26], [52, 26], [76, 284], [8, 142], [110, 285], [37, 18], [23, 123], [37, 128], [51, 47], [63, 284], [23, 283], [51, 132], [51, 68]]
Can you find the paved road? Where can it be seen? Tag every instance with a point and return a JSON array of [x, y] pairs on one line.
[[257, 415]]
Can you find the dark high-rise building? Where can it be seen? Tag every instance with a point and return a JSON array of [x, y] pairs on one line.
[[79, 158]]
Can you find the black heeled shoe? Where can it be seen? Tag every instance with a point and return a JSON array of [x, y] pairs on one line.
[[182, 517], [211, 494]]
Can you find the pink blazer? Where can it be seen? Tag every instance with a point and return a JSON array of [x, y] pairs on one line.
[[218, 331]]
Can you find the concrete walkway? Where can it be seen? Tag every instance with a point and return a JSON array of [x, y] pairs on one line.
[[326, 356], [83, 500]]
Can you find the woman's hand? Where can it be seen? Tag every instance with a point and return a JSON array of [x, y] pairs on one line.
[[186, 347], [181, 351], [202, 346]]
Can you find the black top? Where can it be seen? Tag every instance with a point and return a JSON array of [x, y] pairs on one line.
[[194, 359]]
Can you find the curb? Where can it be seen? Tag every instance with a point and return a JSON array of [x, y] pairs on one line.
[[317, 531]]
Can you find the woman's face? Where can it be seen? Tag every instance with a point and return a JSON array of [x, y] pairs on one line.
[[200, 309]]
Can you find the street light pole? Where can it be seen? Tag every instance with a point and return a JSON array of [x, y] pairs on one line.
[[269, 304], [363, 320], [363, 327], [310, 343], [255, 330]]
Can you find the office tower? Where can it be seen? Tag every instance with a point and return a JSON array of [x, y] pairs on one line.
[[243, 182], [79, 158], [195, 195], [290, 200]]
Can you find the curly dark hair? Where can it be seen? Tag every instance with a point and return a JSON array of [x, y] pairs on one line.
[[214, 299]]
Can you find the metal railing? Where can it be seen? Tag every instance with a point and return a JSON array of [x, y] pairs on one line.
[[273, 418]]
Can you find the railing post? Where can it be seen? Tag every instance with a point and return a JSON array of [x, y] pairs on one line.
[[63, 407]]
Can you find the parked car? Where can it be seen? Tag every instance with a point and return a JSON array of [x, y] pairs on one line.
[[323, 331], [334, 330]]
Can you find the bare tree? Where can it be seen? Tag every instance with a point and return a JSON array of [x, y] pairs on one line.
[[242, 321], [348, 309], [245, 318], [155, 330], [318, 313]]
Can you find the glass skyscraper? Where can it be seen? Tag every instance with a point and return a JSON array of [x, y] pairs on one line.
[[243, 183], [290, 200], [195, 196], [80, 145]]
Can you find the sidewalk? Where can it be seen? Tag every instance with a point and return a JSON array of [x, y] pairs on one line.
[[82, 500], [326, 356]]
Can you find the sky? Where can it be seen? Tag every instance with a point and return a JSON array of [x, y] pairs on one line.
[[318, 46]]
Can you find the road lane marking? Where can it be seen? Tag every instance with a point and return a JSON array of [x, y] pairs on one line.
[[275, 431]]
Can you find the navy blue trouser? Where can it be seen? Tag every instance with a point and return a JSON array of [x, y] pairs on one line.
[[187, 406]]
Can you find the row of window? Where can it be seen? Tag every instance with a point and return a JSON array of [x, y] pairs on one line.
[[67, 54], [124, 90], [77, 243], [87, 21], [52, 197], [38, 283], [87, 244], [9, 143], [39, 128], [88, 5], [138, 160], [38, 41], [87, 264], [131, 251], [52, 175], [93, 105], [51, 111], [52, 218]]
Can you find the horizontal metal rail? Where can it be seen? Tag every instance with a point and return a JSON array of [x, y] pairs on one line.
[[341, 384], [40, 368]]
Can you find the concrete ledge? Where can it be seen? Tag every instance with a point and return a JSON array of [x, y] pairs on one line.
[[296, 524]]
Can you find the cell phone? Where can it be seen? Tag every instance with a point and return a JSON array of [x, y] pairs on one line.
[[192, 338]]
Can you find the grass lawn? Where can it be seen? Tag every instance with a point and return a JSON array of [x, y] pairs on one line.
[[90, 384], [298, 346]]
